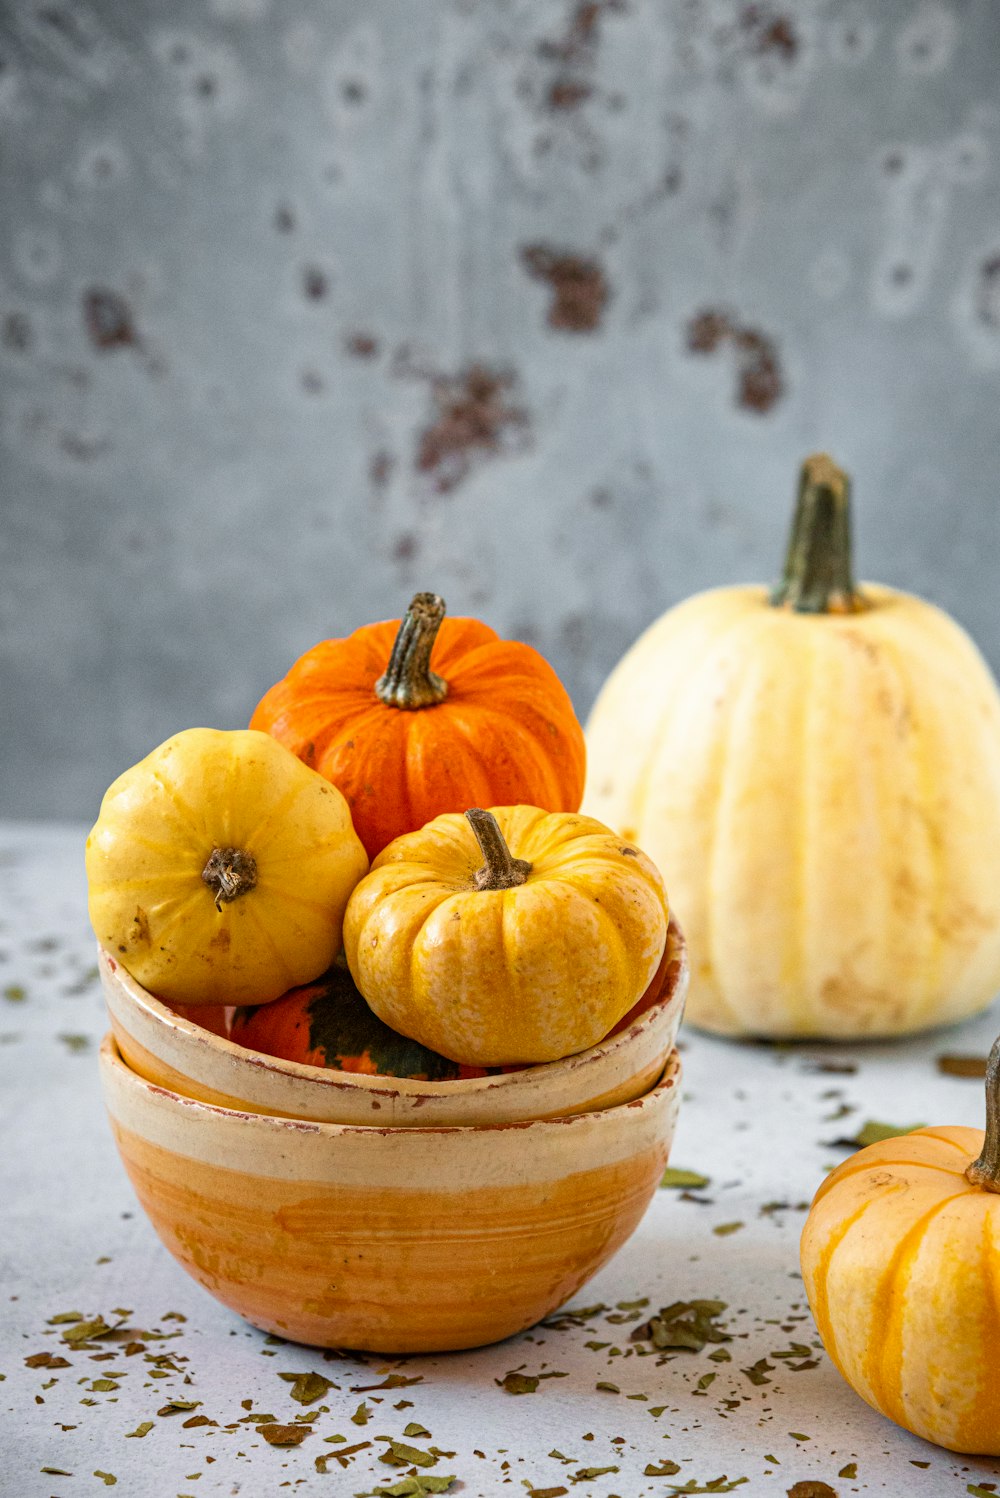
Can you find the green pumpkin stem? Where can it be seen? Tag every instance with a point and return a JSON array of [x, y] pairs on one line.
[[409, 682], [230, 872], [985, 1171], [818, 577], [501, 870]]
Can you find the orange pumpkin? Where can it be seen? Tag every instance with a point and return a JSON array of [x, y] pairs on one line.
[[491, 725]]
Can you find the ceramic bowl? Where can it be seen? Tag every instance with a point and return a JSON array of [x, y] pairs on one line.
[[385, 1239], [177, 1053]]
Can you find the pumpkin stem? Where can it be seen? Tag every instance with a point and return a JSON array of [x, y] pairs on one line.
[[817, 577], [230, 872], [985, 1171], [409, 682], [501, 870]]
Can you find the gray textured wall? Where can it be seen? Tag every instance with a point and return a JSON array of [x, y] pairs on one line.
[[307, 305]]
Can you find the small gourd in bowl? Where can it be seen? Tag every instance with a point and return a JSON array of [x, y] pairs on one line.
[[491, 723], [901, 1263], [327, 1023], [818, 765], [511, 935], [219, 869]]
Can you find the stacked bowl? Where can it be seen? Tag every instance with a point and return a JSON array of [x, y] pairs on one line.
[[382, 1213]]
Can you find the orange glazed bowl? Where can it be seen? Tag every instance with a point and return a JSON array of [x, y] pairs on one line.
[[386, 1239], [180, 1054]]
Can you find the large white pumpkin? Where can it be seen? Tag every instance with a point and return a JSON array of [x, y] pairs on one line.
[[816, 770]]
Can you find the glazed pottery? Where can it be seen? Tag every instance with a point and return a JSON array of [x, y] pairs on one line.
[[179, 1053], [388, 1239]]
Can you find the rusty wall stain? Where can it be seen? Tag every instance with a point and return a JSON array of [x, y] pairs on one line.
[[476, 417], [759, 379], [579, 286], [108, 319]]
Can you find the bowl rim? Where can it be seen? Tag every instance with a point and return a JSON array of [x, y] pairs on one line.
[[110, 1056], [674, 965]]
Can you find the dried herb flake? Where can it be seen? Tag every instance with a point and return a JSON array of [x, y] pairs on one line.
[[518, 1383], [411, 1487], [872, 1131], [684, 1325], [284, 1435], [178, 1406], [46, 1360], [307, 1388], [679, 1179], [399, 1454], [394, 1381], [717, 1485]]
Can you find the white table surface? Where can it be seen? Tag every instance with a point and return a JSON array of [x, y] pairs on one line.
[[756, 1119]]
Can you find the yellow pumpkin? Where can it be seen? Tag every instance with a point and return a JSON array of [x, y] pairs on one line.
[[515, 935], [219, 869], [819, 768], [901, 1263]]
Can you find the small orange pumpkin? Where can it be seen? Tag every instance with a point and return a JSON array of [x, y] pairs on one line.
[[901, 1262], [328, 1023], [491, 725]]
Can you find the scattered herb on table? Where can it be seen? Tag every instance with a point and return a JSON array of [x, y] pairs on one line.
[[683, 1179], [394, 1381], [685, 1325], [307, 1388], [872, 1131], [399, 1454], [284, 1435], [717, 1485]]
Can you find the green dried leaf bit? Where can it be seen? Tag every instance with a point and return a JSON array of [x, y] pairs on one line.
[[686, 1325]]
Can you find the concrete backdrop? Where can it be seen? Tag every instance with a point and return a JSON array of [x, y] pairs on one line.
[[307, 305]]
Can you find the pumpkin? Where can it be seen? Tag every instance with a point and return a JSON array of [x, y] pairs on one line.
[[491, 723], [819, 767], [901, 1261], [219, 869], [328, 1023], [515, 935]]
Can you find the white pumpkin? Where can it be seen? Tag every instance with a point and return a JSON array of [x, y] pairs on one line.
[[818, 772]]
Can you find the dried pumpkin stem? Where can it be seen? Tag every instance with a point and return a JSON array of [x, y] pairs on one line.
[[230, 872], [501, 870], [818, 578], [985, 1171], [408, 681]]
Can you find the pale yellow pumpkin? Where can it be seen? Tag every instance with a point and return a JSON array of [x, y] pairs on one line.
[[516, 935], [219, 869], [901, 1264], [820, 771]]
